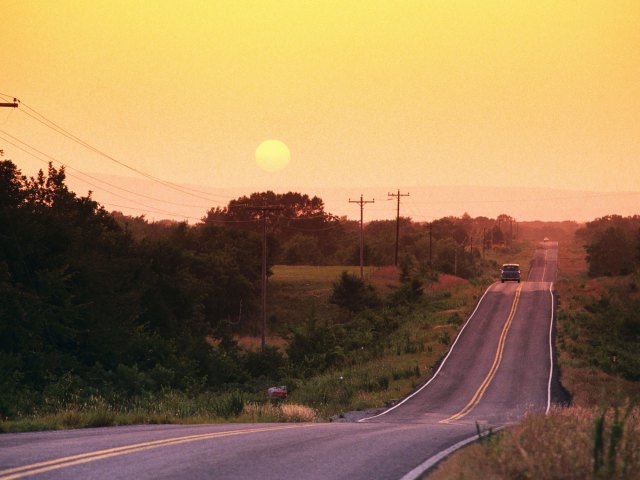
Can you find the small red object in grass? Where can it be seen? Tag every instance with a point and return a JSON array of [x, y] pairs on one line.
[[278, 392]]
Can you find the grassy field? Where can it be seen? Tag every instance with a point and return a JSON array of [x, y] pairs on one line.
[[314, 275], [297, 292]]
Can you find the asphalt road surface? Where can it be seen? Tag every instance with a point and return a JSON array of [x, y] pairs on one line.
[[499, 367]]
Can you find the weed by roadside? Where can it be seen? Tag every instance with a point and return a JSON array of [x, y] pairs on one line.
[[572, 443], [280, 412]]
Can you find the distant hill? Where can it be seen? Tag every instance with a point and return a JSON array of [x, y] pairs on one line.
[[423, 204]]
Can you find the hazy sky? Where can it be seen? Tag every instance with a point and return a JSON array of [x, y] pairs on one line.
[[364, 93]]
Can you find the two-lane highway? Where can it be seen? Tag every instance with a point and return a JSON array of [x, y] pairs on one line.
[[498, 368], [500, 365]]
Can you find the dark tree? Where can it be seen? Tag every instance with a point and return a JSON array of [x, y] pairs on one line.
[[352, 294], [611, 252]]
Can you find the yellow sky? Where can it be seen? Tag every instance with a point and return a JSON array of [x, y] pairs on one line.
[[364, 93]]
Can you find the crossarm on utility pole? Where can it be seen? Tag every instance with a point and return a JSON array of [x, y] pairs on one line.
[[13, 104]]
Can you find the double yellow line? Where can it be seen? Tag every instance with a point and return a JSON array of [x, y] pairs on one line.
[[494, 368], [64, 462]]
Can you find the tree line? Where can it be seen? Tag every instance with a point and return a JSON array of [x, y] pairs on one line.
[[301, 232], [612, 244], [86, 307]]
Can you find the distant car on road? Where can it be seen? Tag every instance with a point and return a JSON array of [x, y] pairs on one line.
[[510, 272], [546, 239]]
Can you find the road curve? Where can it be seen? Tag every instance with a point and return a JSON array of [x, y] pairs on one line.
[[499, 368]]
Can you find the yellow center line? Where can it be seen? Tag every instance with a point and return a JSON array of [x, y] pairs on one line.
[[64, 462], [544, 271], [494, 367]]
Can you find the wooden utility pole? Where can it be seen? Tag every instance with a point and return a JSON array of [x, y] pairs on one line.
[[362, 203], [510, 232], [455, 260], [430, 240], [264, 209], [484, 240], [397, 221]]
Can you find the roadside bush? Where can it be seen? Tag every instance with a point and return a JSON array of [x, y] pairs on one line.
[[326, 393], [314, 348], [352, 294], [608, 327], [228, 405], [409, 292], [268, 363]]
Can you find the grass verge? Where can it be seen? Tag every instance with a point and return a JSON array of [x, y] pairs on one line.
[[573, 443], [167, 408]]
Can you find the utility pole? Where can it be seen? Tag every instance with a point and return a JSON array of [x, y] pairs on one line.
[[362, 203], [430, 240], [397, 220], [455, 260], [264, 209], [510, 231], [484, 240]]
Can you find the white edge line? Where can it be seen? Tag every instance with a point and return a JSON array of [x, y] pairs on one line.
[[553, 308], [441, 364], [432, 461]]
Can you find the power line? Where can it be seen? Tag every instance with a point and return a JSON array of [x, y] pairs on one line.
[[70, 167], [534, 199], [337, 224], [165, 212], [109, 157], [152, 209], [60, 130]]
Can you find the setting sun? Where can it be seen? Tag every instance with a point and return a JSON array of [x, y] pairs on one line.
[[272, 155]]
